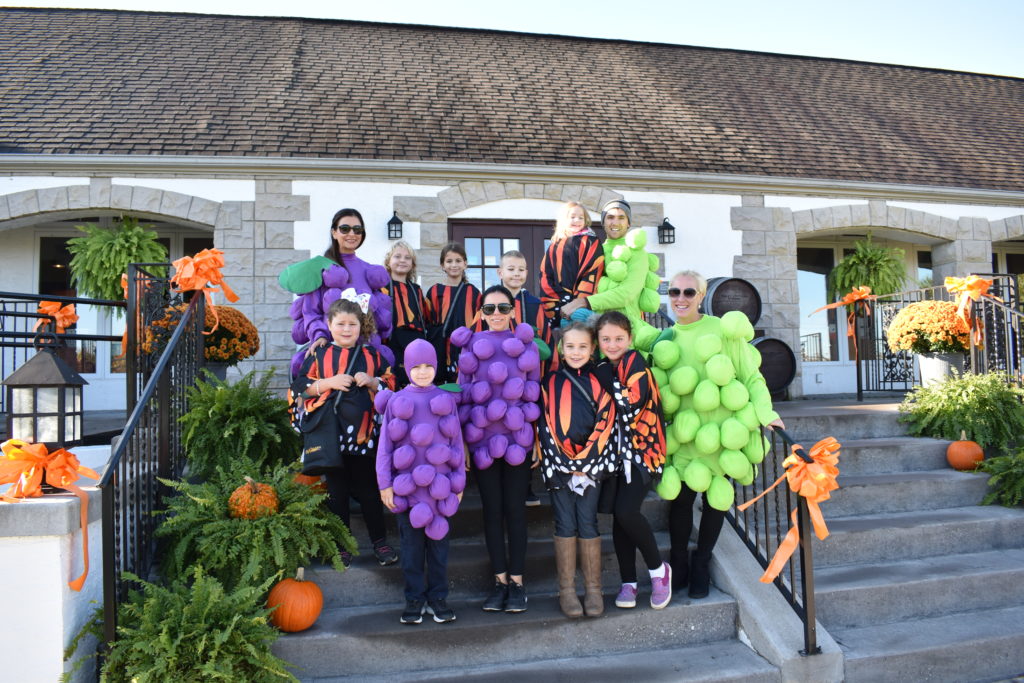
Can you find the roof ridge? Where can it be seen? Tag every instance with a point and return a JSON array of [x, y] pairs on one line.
[[467, 29]]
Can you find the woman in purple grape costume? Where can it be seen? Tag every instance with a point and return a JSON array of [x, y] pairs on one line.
[[319, 281], [499, 372], [421, 472]]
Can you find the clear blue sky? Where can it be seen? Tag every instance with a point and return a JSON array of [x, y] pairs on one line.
[[980, 35]]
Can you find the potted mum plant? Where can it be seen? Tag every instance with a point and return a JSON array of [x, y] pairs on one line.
[[933, 331], [234, 340]]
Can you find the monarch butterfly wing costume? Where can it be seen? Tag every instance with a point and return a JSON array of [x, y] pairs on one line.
[[639, 401], [578, 431], [409, 321], [571, 269], [464, 309]]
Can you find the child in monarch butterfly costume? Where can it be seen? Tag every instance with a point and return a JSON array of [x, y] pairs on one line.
[[408, 307], [579, 448], [451, 304], [572, 265], [357, 370], [626, 376]]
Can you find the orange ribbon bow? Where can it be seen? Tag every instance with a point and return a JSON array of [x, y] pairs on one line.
[[64, 315], [812, 480], [202, 272], [24, 466], [969, 289], [856, 296]]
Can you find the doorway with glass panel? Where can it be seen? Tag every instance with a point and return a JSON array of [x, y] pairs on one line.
[[485, 241]]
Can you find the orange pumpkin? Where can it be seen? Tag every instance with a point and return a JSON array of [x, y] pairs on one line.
[[316, 483], [252, 500], [964, 454], [298, 603]]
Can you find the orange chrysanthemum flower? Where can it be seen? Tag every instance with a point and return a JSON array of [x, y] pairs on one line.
[[928, 327]]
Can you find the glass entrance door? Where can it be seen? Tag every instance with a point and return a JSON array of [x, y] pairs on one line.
[[485, 242]]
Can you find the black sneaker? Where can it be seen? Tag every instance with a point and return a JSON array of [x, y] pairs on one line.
[[499, 596], [413, 613], [346, 558], [441, 611], [385, 554], [532, 500], [516, 597]]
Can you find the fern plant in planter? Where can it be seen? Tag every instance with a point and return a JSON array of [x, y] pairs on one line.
[[241, 420], [200, 529], [870, 265], [99, 258]]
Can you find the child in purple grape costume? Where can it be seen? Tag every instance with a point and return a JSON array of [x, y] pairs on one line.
[[421, 473], [320, 280], [499, 372]]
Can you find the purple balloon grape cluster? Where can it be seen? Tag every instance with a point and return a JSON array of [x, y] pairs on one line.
[[421, 441], [499, 374]]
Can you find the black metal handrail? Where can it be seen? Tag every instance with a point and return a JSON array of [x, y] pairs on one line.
[[880, 369], [18, 336], [764, 525], [150, 445]]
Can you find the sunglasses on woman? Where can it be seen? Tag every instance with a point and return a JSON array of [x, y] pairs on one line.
[[689, 292], [504, 309], [346, 229]]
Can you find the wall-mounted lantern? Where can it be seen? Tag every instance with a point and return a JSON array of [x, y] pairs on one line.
[[44, 402], [395, 227], [666, 233]]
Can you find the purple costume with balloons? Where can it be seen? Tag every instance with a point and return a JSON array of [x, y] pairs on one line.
[[499, 373], [421, 457], [309, 309]]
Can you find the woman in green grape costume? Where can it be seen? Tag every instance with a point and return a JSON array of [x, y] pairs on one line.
[[630, 281], [714, 395]]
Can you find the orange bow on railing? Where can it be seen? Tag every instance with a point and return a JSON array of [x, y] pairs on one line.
[[24, 466], [969, 289], [812, 480], [64, 315], [856, 296], [202, 272]]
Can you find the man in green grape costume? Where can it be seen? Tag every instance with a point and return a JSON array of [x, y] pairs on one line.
[[716, 400], [630, 281]]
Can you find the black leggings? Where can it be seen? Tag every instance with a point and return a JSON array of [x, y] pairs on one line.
[[503, 495], [630, 529], [359, 480], [680, 524]]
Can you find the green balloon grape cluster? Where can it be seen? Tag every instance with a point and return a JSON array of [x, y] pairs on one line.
[[717, 400], [618, 259]]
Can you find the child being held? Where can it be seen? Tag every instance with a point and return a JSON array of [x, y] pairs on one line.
[[421, 474], [351, 366]]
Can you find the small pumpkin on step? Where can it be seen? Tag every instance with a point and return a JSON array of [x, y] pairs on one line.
[[298, 602], [964, 454], [252, 500]]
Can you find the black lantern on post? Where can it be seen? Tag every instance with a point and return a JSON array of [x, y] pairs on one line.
[[44, 402], [395, 227], [666, 233]]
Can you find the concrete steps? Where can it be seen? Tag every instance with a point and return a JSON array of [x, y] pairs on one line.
[[916, 581], [718, 662], [357, 641]]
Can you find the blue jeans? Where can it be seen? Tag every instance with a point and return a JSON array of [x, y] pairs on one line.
[[416, 549], [575, 515]]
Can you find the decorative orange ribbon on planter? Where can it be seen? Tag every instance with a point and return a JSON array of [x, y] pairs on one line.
[[24, 466], [812, 480], [64, 316], [202, 273], [967, 290], [856, 296]]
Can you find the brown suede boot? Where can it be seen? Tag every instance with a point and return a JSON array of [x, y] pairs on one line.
[[565, 561], [590, 561]]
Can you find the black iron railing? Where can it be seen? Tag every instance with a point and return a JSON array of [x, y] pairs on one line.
[[810, 348], [150, 445], [881, 370], [764, 525], [18, 319]]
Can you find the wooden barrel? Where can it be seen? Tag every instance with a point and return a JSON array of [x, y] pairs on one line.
[[731, 294], [778, 363]]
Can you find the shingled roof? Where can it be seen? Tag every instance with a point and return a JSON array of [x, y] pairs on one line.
[[119, 82]]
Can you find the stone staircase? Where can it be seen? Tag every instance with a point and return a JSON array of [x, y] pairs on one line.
[[916, 581], [359, 637]]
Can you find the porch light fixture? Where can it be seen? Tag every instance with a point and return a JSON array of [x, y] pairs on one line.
[[666, 233], [395, 227], [44, 402]]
